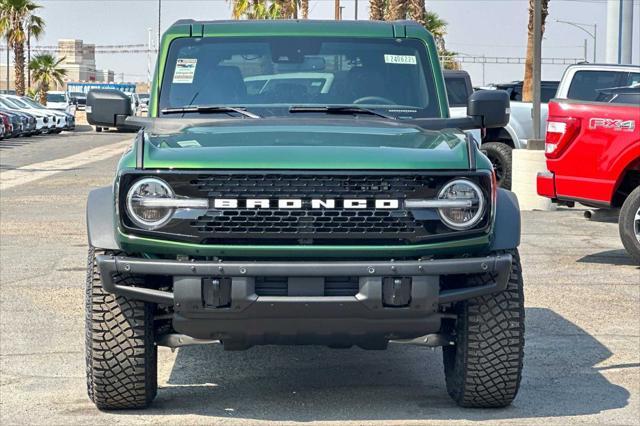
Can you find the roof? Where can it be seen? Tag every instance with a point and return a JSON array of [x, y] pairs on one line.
[[297, 27]]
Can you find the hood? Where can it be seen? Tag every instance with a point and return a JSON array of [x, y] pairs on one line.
[[320, 144]]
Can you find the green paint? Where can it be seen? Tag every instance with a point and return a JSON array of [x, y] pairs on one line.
[[278, 144], [344, 144], [457, 247]]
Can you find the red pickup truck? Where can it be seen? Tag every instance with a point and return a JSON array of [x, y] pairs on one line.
[[593, 157]]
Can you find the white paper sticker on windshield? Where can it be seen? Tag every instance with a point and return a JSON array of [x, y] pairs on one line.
[[189, 144], [400, 59], [185, 70]]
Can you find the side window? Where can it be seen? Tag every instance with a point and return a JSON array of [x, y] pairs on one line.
[[634, 79], [585, 84], [456, 91], [547, 93]]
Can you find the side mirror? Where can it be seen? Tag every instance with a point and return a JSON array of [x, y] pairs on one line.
[[489, 108], [108, 108]]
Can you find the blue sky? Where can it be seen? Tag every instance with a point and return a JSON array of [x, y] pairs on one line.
[[476, 27]]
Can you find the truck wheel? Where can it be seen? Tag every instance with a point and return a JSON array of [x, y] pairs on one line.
[[121, 355], [500, 156], [98, 129], [629, 224], [484, 367]]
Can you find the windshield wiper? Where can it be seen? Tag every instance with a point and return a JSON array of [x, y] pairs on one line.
[[204, 109], [339, 110]]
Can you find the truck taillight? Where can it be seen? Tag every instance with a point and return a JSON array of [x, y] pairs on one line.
[[561, 131]]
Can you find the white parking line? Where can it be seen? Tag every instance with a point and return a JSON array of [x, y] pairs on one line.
[[31, 172]]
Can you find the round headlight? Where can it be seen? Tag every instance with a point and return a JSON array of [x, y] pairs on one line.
[[462, 217], [147, 215]]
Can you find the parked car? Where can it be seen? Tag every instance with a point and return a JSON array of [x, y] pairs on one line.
[[27, 122], [7, 125], [580, 82], [143, 107], [80, 99], [459, 89], [593, 156], [45, 122], [355, 217], [15, 120], [548, 89], [61, 101], [65, 120]]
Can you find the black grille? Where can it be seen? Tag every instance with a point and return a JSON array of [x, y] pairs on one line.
[[333, 286], [307, 226]]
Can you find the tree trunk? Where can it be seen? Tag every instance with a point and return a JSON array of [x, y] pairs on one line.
[[397, 10], [376, 10], [527, 85], [304, 7], [18, 53], [42, 95], [417, 10]]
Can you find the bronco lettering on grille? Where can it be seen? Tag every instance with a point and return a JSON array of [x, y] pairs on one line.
[[297, 203]]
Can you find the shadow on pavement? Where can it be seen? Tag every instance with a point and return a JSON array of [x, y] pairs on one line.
[[403, 383], [609, 257]]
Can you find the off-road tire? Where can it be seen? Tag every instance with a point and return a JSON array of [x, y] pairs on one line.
[[121, 355], [500, 155], [484, 367], [627, 223]]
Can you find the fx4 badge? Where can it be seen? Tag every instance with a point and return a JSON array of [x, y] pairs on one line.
[[609, 123]]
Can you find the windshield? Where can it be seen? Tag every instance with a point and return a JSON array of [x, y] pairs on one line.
[[55, 97], [9, 104], [20, 103], [32, 103], [268, 75]]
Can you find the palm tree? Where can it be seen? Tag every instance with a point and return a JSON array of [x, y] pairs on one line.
[[376, 10], [397, 9], [17, 22], [527, 85], [437, 27], [266, 9], [46, 72], [417, 11], [240, 8]]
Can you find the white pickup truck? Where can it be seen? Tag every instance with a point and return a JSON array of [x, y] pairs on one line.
[[498, 143]]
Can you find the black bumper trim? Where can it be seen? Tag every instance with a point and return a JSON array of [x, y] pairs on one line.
[[500, 265]]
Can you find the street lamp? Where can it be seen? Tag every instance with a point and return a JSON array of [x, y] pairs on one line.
[[593, 35], [159, 23]]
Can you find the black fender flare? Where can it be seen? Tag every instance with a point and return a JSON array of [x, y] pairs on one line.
[[100, 219], [506, 235]]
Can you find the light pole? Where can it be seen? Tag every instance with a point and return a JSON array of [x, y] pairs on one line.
[[593, 35], [159, 22], [149, 59]]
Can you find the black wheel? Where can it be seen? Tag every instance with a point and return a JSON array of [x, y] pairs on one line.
[[98, 129], [500, 156], [121, 355], [484, 367], [629, 224]]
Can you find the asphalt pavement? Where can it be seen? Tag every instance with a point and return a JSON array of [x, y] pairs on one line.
[[582, 362]]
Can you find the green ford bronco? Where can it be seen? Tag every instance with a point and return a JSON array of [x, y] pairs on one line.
[[301, 182]]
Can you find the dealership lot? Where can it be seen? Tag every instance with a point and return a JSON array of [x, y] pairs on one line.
[[582, 345]]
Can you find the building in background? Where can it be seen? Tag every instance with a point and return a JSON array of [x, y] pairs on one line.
[[79, 59]]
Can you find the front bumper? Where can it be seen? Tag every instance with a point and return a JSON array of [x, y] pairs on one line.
[[306, 317]]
